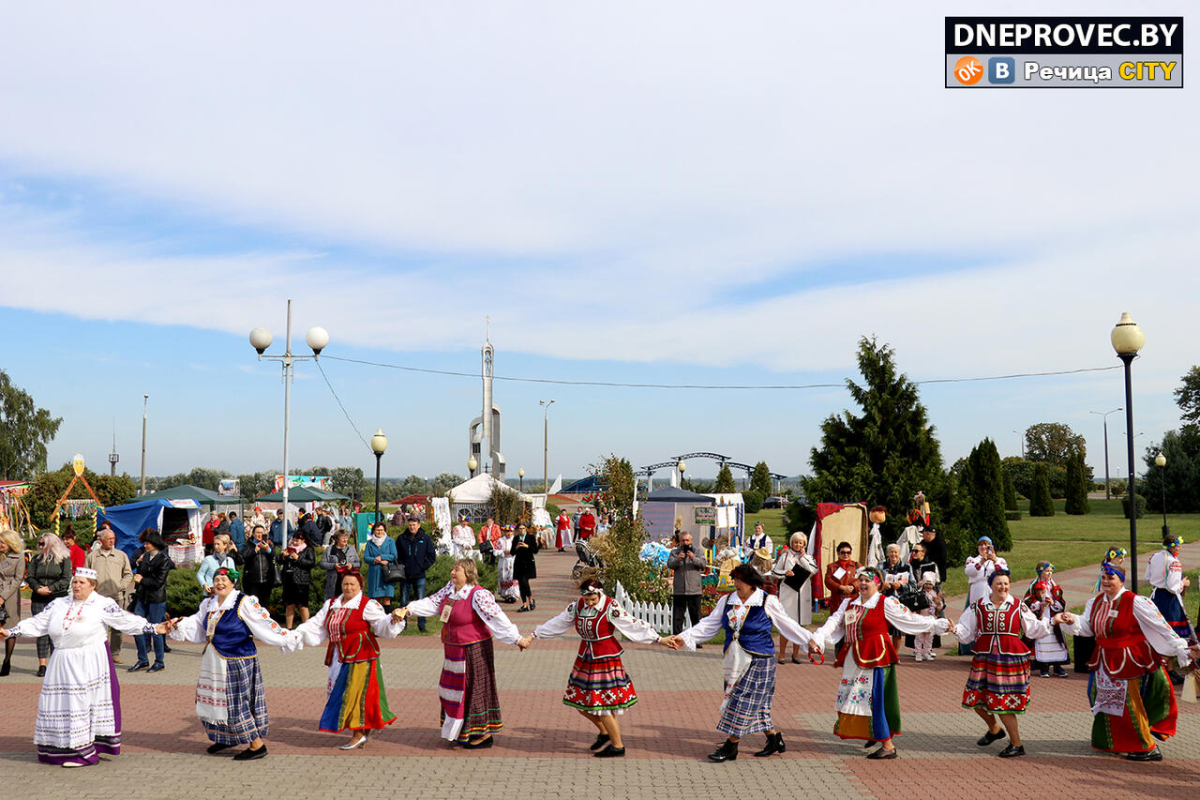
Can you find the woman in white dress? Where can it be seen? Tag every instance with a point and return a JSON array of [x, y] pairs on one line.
[[509, 591], [793, 569], [79, 709]]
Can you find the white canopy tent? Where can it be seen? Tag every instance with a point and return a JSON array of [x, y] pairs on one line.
[[475, 496]]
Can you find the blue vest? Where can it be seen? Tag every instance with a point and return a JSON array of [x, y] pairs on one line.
[[755, 636], [232, 638]]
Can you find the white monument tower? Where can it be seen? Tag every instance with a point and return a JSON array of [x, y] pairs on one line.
[[487, 425]]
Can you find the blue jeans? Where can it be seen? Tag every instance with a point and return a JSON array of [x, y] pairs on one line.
[[413, 590], [154, 614]]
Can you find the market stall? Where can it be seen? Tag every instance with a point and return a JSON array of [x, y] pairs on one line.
[[663, 509], [180, 522]]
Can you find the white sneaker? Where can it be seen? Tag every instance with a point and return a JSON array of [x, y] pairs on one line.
[[919, 658], [931, 656]]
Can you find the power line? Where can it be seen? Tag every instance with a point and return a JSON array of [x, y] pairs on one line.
[[733, 387], [339, 402]]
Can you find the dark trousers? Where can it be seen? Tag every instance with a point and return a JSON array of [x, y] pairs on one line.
[[681, 603], [523, 586], [413, 590]]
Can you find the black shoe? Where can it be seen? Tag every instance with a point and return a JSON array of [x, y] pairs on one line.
[[166, 648], [796, 660], [699, 647], [480, 744], [728, 751], [1153, 755], [532, 604], [1045, 673], [4, 669], [1176, 680], [870, 743], [601, 740], [251, 755], [213, 749], [420, 629], [138, 667], [1012, 751], [1059, 672], [774, 745], [1160, 736], [781, 661], [881, 753], [41, 671], [159, 667], [990, 737], [522, 610], [611, 752]]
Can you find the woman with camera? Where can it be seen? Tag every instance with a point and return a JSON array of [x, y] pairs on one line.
[[338, 558]]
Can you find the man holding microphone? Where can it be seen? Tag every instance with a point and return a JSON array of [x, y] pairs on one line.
[[689, 568]]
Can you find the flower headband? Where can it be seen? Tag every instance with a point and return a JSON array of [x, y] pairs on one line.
[[591, 590], [999, 571], [1109, 569], [1116, 552], [228, 572], [869, 572], [1045, 565], [1171, 545]]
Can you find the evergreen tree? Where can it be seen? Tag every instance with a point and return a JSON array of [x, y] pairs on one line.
[[1010, 492], [1077, 488], [1041, 504], [983, 485], [760, 480], [724, 481]]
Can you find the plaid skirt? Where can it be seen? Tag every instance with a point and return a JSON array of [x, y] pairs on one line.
[[749, 707], [247, 702], [998, 683]]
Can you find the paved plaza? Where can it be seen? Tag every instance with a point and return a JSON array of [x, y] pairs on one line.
[[542, 751]]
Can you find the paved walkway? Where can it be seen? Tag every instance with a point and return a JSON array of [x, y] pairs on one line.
[[542, 751]]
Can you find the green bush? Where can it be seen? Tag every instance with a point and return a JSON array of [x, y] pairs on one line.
[[753, 501], [1141, 506], [1040, 502], [1077, 486], [1012, 516]]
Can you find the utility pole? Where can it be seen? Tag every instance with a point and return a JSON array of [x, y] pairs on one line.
[[145, 398]]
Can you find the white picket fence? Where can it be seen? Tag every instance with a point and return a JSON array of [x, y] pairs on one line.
[[656, 614]]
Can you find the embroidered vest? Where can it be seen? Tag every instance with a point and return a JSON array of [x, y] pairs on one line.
[[464, 625], [755, 635], [597, 632], [1120, 644], [350, 634], [867, 633], [998, 631], [232, 638]]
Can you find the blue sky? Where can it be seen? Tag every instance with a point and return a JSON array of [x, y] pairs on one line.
[[671, 203]]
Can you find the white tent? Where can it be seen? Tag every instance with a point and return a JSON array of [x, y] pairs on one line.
[[475, 496]]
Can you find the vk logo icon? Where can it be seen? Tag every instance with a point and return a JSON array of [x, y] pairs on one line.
[[1001, 69]]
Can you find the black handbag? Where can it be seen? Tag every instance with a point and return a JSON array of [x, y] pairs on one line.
[[913, 601], [393, 572], [797, 579]]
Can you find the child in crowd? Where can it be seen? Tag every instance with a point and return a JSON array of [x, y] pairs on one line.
[[924, 641], [1049, 650]]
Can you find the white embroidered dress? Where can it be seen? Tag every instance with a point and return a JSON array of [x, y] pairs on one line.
[[76, 704], [978, 570]]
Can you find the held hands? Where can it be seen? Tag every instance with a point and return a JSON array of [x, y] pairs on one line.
[[674, 642], [1063, 616], [166, 626], [400, 613], [525, 641]]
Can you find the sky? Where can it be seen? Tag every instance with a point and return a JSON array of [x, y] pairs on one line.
[[672, 193]]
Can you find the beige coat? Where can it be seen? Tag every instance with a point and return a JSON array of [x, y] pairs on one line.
[[114, 575]]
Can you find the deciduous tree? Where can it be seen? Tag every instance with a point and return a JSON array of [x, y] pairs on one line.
[[25, 430]]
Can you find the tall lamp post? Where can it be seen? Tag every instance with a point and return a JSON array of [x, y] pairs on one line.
[[145, 399], [546, 445], [1104, 415], [1022, 435], [472, 464], [1161, 461], [260, 339], [681, 466], [378, 446], [1127, 339], [521, 474]]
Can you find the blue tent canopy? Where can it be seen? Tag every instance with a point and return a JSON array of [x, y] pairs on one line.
[[131, 519]]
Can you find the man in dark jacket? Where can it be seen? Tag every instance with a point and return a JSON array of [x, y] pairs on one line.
[[258, 561], [689, 568], [417, 554], [150, 596], [310, 531], [277, 536]]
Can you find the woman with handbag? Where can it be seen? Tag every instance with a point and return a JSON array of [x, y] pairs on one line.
[[12, 574], [379, 553], [338, 558], [898, 582], [525, 547], [258, 560], [792, 570], [49, 578], [296, 567]]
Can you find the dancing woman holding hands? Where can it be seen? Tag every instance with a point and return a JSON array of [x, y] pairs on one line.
[[356, 698], [1133, 703], [868, 701], [598, 687], [746, 614], [998, 684]]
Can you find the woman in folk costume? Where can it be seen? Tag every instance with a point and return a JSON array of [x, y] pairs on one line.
[[356, 698], [79, 708], [868, 702], [509, 591], [598, 687], [998, 684], [792, 571], [979, 569], [746, 614], [1044, 597], [756, 542], [470, 618], [1133, 703], [1165, 573], [1086, 645], [231, 699]]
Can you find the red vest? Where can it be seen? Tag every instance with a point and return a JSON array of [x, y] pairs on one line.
[[999, 631], [598, 633], [867, 634], [350, 634], [1120, 644], [464, 626]]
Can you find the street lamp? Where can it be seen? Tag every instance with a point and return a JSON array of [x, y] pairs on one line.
[[1161, 461], [378, 446], [1105, 417], [471, 465], [145, 399], [681, 466], [1022, 435], [546, 445], [260, 339], [521, 474], [1127, 339]]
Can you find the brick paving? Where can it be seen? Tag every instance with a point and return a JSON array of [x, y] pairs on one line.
[[542, 751]]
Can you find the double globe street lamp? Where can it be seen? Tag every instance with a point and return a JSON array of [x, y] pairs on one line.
[[1127, 339]]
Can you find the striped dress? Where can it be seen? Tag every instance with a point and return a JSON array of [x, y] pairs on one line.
[[598, 683]]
